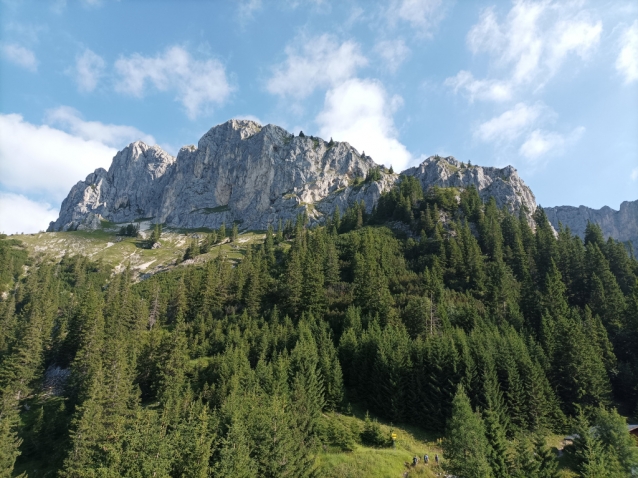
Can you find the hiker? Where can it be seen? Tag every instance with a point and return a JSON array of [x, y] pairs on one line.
[[414, 461], [436, 458], [426, 459]]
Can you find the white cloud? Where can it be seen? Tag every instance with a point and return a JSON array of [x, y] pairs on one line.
[[20, 56], [360, 112], [247, 9], [543, 143], [394, 52], [509, 125], [578, 35], [479, 89], [320, 62], [198, 84], [422, 15], [116, 136], [530, 45], [89, 67], [634, 174], [45, 161], [20, 214], [519, 127], [627, 61]]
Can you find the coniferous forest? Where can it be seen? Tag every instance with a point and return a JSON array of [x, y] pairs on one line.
[[435, 310]]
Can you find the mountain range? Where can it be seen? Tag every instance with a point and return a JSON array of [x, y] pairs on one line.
[[257, 175]]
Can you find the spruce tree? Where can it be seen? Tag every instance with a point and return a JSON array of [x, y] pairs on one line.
[[234, 457], [9, 441], [465, 447], [498, 448]]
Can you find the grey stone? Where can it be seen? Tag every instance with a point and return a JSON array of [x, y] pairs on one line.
[[504, 184], [621, 225], [254, 175]]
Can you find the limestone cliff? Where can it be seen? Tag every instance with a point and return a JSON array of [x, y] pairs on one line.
[[504, 184], [241, 171], [621, 225]]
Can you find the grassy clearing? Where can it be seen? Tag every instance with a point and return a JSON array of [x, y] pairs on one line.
[[382, 462], [120, 251]]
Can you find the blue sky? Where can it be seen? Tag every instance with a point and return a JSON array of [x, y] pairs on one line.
[[549, 87]]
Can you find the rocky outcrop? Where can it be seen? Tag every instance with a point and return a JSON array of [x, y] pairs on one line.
[[504, 184], [621, 225], [239, 171], [254, 175]]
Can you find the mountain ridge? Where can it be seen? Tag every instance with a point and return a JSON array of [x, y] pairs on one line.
[[241, 171], [621, 225]]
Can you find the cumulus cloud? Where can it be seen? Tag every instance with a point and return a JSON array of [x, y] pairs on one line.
[[542, 143], [20, 214], [393, 52], [45, 161], [529, 46], [19, 55], [318, 62], [198, 84], [115, 136], [627, 61], [422, 15], [509, 125], [360, 112], [89, 68]]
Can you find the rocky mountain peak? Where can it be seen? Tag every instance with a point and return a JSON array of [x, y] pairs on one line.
[[256, 175], [504, 184]]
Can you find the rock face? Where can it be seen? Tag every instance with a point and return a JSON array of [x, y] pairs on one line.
[[504, 184], [621, 225], [241, 171]]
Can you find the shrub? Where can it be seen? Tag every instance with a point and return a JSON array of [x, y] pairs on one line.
[[372, 434]]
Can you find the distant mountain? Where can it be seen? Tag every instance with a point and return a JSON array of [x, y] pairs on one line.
[[621, 225], [241, 171]]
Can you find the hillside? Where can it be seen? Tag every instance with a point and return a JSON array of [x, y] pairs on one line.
[[119, 252], [442, 316]]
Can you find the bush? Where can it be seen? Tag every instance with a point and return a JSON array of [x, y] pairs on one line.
[[372, 434], [335, 434], [130, 230]]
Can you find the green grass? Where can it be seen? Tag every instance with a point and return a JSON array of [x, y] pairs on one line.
[[212, 210], [120, 251], [381, 462]]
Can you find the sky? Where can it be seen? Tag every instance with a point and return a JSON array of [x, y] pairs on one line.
[[548, 87]]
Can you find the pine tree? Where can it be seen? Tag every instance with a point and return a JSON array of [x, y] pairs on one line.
[[612, 430], [293, 282], [234, 456], [498, 449], [269, 246], [465, 447], [9, 441], [193, 441], [591, 456], [545, 458]]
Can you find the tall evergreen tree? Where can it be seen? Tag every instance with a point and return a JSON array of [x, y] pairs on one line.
[[465, 447]]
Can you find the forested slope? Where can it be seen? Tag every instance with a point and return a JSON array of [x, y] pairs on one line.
[[436, 311]]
